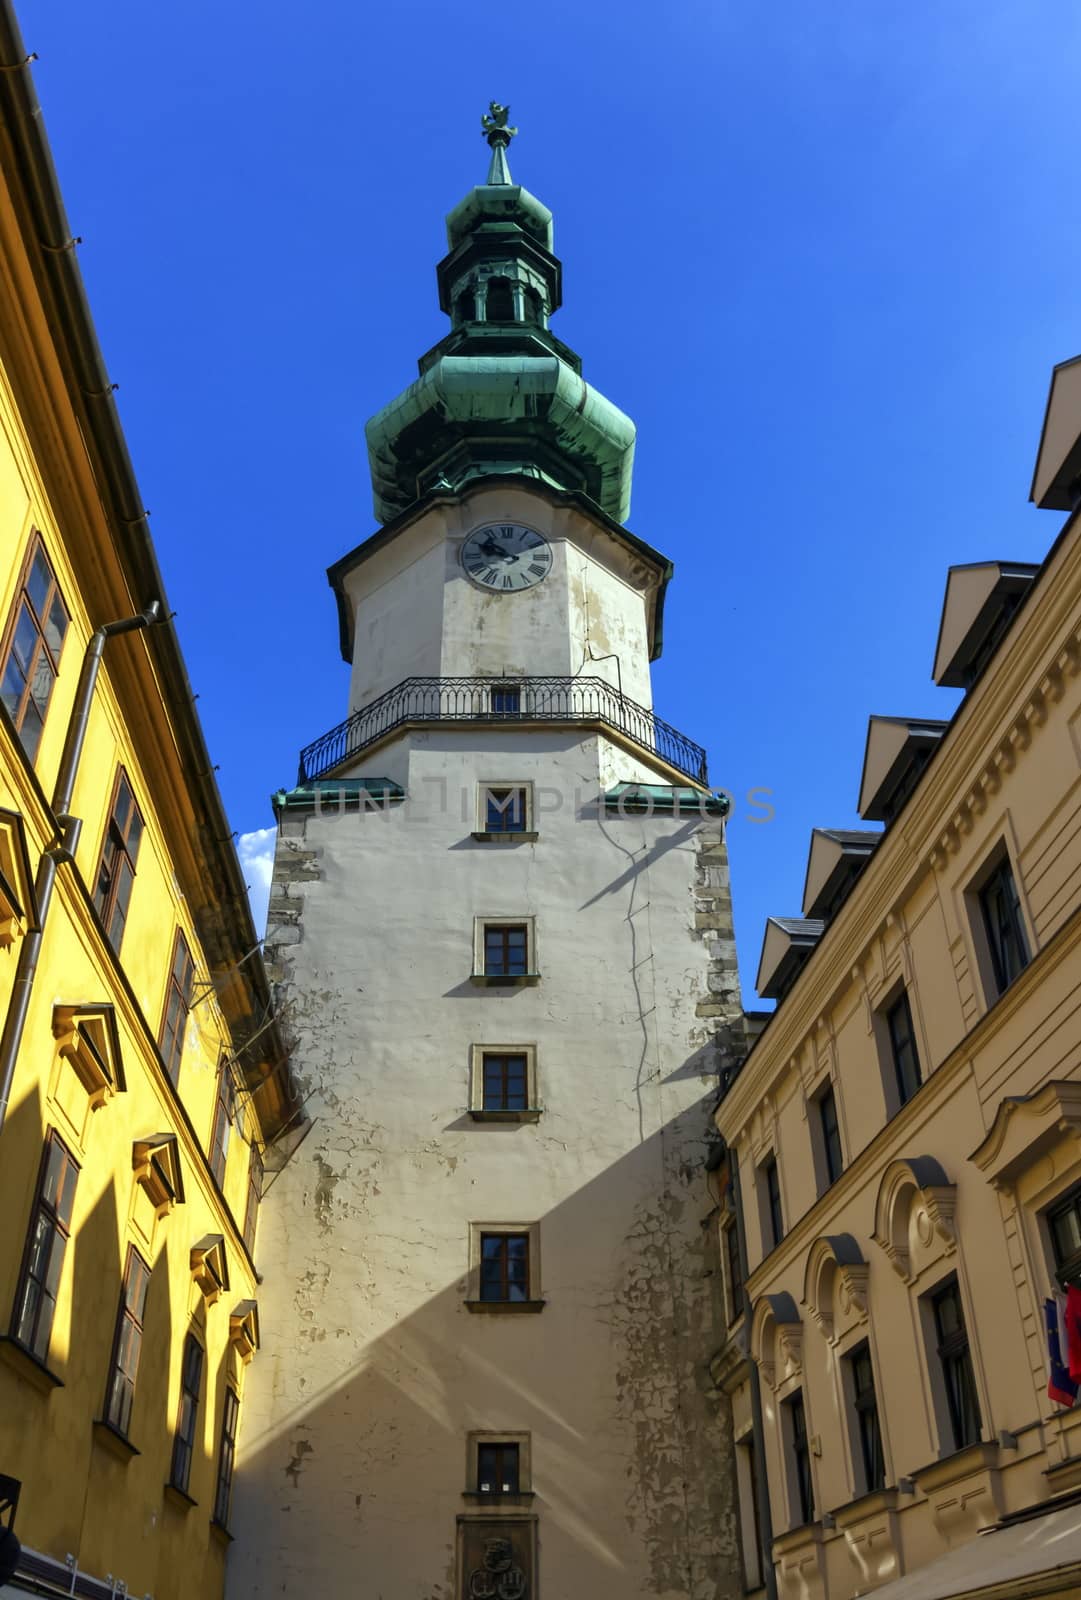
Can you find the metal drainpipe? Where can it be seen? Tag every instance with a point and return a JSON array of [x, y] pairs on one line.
[[63, 848], [765, 1518]]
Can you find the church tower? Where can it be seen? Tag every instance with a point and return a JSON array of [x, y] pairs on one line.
[[501, 934]]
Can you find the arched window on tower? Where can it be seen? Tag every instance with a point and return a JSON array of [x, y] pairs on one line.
[[532, 305], [500, 306], [467, 306]]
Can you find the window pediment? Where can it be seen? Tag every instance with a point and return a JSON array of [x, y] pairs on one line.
[[835, 1284], [155, 1160], [244, 1329], [88, 1039], [209, 1267], [777, 1338], [914, 1215], [18, 902], [1024, 1126]]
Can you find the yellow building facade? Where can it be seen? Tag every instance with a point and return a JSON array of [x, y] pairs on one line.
[[900, 1199], [141, 1073]]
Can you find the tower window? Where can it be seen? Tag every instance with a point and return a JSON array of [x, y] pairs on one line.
[[499, 306], [467, 306], [507, 700], [505, 810], [504, 1266], [506, 949], [506, 1082], [497, 1468]]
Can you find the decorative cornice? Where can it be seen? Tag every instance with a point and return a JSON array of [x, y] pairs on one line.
[[903, 1182], [1024, 1124]]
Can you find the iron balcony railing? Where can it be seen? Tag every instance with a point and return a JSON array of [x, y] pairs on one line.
[[502, 700]]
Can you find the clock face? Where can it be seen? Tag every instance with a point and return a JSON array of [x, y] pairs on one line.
[[504, 556]]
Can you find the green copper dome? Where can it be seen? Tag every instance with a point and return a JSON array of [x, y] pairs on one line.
[[500, 394]]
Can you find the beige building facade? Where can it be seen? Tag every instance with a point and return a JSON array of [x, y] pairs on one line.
[[900, 1192]]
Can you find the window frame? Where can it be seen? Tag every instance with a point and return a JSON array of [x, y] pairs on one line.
[[771, 1204], [503, 1260], [899, 1002], [830, 1148], [507, 1437], [867, 1421], [167, 1035], [61, 1231], [114, 857], [22, 597], [478, 1110], [126, 1319], [505, 924], [999, 869], [475, 1298], [485, 832], [797, 1441], [256, 1174], [953, 1355], [505, 689], [221, 1127], [223, 1483], [733, 1272], [184, 1438], [500, 1448]]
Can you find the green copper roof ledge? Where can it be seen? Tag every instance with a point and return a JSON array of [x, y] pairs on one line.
[[537, 412], [334, 794], [666, 799]]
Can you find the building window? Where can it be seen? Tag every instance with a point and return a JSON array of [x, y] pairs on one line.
[[507, 700], [799, 1450], [906, 1063], [505, 809], [506, 950], [749, 1512], [43, 1262], [1002, 923], [733, 1274], [174, 1019], [222, 1128], [497, 1468], [255, 1194], [504, 1266], [506, 1083], [955, 1364], [119, 853], [191, 1382], [862, 1379], [829, 1129], [770, 1180], [127, 1343], [499, 306], [226, 1457], [31, 661], [1064, 1226]]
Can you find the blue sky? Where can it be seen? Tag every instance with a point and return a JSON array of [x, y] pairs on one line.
[[824, 255]]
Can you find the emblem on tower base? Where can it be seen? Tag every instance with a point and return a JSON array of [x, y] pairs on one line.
[[497, 1559]]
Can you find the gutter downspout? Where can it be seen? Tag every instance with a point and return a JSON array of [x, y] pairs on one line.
[[761, 1485], [63, 848]]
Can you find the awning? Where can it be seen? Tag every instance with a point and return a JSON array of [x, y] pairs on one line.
[[999, 1559]]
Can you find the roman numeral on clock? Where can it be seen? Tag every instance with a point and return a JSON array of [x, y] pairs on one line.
[[538, 568], [508, 583]]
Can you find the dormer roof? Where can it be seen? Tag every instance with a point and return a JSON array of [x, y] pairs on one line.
[[1057, 479], [898, 749], [787, 943], [836, 858], [981, 598]]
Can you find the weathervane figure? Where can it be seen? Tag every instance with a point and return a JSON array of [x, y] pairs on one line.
[[493, 124]]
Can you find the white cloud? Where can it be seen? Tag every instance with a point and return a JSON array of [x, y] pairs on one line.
[[256, 851]]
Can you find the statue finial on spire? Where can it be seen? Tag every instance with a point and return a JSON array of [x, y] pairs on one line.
[[493, 125]]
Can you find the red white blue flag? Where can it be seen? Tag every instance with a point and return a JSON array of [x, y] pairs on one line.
[[1060, 1386]]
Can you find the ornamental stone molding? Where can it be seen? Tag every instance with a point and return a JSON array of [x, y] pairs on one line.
[[1025, 1126], [777, 1338], [1003, 758], [914, 1214], [835, 1284]]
